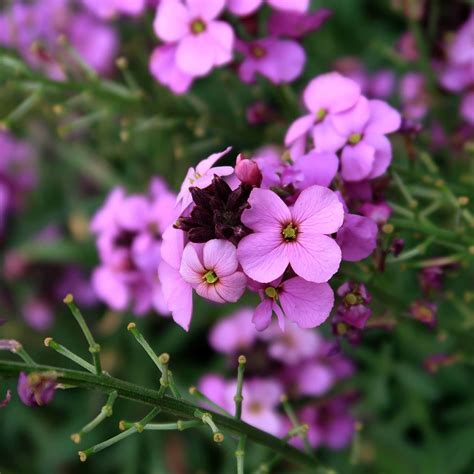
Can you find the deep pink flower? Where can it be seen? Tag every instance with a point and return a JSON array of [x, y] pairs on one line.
[[379, 212], [164, 69], [247, 171], [277, 59], [367, 153], [296, 236], [36, 389], [316, 168], [357, 237], [201, 177], [305, 303], [296, 24], [325, 96], [202, 41], [246, 7], [212, 270]]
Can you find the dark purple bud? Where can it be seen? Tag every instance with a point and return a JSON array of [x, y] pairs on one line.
[[2, 321], [248, 171], [397, 246], [410, 127], [431, 279], [425, 312], [36, 389], [7, 399]]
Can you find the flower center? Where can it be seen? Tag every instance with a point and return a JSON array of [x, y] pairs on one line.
[[355, 138], [271, 292], [198, 27], [350, 299], [289, 232], [321, 115], [210, 277], [258, 52], [255, 407]]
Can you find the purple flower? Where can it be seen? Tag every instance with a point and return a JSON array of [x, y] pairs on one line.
[[325, 96], [379, 212], [367, 153], [279, 60], [354, 309], [315, 168], [202, 41], [296, 24], [414, 96], [201, 177], [36, 389], [467, 108], [38, 313], [163, 67], [357, 237], [109, 8], [246, 7], [305, 303], [233, 334], [296, 236], [247, 171], [211, 269]]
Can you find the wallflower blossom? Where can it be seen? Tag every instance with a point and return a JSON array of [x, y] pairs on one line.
[[425, 312], [36, 389], [357, 237], [279, 60], [296, 235], [202, 41], [212, 270], [246, 7], [247, 171], [294, 24], [109, 8]]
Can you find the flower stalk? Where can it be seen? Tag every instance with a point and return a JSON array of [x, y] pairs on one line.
[[60, 349]]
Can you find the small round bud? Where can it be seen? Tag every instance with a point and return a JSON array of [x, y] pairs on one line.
[[58, 109], [76, 438], [68, 299], [218, 437], [164, 358], [131, 326], [242, 359], [192, 390], [82, 456], [387, 228], [121, 62], [247, 171], [358, 426], [471, 249], [48, 341], [463, 200], [122, 426]]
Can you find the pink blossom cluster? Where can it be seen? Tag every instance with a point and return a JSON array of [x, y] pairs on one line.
[[198, 36], [17, 175], [128, 230], [34, 29], [295, 364], [108, 9]]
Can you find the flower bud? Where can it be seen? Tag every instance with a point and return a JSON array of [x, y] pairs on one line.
[[248, 171], [36, 389]]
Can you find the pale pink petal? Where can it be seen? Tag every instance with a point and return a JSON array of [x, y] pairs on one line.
[[267, 212], [191, 268], [314, 257], [383, 118], [205, 9], [326, 137], [110, 288], [209, 292], [383, 154], [171, 21], [353, 120], [231, 287], [467, 108], [172, 246], [221, 256], [357, 161], [262, 256], [284, 61], [195, 54], [205, 165], [223, 36], [331, 92], [307, 304], [317, 168], [280, 316], [291, 5], [298, 128], [262, 315], [134, 212], [317, 210], [243, 7], [315, 379], [177, 293]]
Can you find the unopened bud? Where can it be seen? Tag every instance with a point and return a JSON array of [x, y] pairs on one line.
[[76, 438], [247, 171]]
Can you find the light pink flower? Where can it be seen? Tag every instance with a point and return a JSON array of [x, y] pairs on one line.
[[201, 177], [212, 270], [246, 7], [164, 69], [109, 8], [279, 60], [296, 24], [296, 236], [325, 96], [202, 41]]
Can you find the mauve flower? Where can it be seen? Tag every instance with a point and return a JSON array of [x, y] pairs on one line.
[[279, 60], [414, 96], [379, 212], [354, 309], [431, 279], [202, 41], [357, 237], [467, 107], [296, 24], [212, 270], [109, 8], [38, 313], [163, 67], [312, 378], [11, 345], [36, 389], [305, 303], [381, 84], [316, 168], [425, 312], [201, 177], [247, 171], [367, 153], [246, 7], [325, 96], [296, 235], [233, 334]]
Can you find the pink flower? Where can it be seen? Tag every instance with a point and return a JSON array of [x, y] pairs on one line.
[[109, 8], [201, 177], [296, 24], [211, 269], [379, 212], [278, 60], [325, 96], [296, 236], [163, 67], [202, 41], [367, 153], [357, 237], [467, 108], [246, 7], [247, 171], [305, 303]]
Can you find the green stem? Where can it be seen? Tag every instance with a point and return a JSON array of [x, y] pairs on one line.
[[240, 455], [60, 349], [240, 382], [179, 408], [21, 352], [296, 424], [94, 348], [144, 343], [180, 425]]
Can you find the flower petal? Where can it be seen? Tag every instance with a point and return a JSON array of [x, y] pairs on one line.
[[195, 54], [298, 128], [317, 168], [357, 237], [383, 154], [353, 120], [357, 161], [209, 292], [383, 118], [243, 7], [230, 288], [290, 5], [262, 315], [205, 9], [191, 268], [205, 165], [223, 36], [307, 304], [326, 137], [221, 256], [171, 21]]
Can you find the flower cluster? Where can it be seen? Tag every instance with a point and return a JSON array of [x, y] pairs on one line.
[[17, 175], [128, 229], [199, 35], [294, 364], [35, 30], [107, 9], [272, 225]]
